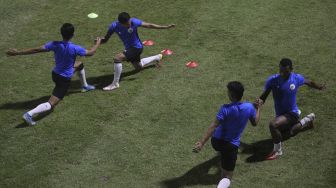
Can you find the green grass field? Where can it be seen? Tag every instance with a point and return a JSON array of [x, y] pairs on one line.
[[142, 134]]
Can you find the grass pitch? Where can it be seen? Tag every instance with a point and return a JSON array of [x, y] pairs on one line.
[[141, 135]]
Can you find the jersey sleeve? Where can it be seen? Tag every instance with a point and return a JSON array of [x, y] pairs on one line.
[[136, 22], [111, 28], [222, 114], [80, 51], [253, 112], [269, 83], [300, 79], [49, 46]]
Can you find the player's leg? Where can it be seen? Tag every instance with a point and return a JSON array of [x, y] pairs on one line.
[[133, 55], [79, 68], [61, 87], [229, 154], [303, 124], [117, 72], [144, 62], [276, 126]]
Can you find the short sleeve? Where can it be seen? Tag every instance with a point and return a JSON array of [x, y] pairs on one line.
[[300, 79], [222, 114], [268, 84], [253, 112], [80, 51], [49, 46], [136, 22], [112, 27]]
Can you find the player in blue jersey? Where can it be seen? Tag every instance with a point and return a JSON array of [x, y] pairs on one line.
[[284, 87], [65, 53], [227, 128], [127, 30]]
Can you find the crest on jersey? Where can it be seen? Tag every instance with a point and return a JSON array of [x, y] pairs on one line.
[[292, 87], [130, 30]]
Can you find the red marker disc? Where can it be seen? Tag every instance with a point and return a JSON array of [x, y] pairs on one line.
[[148, 43], [167, 52], [192, 64]]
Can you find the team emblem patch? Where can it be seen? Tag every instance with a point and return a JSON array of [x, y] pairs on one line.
[[292, 87], [130, 30]]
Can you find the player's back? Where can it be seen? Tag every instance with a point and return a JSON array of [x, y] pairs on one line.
[[233, 119], [65, 56]]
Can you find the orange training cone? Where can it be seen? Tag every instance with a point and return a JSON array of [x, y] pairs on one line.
[[192, 64]]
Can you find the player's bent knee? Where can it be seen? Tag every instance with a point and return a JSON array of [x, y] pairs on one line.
[[80, 66], [273, 124], [118, 58]]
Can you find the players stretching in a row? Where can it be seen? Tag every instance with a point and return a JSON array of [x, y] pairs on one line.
[[232, 118]]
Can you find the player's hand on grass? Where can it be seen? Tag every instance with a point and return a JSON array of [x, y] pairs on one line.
[[12, 52], [198, 147]]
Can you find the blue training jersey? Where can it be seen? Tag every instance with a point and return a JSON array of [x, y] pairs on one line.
[[65, 54], [284, 92], [129, 36], [233, 120]]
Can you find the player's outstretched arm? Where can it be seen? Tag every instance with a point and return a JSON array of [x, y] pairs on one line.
[[261, 100], [106, 38], [314, 85], [255, 121], [14, 52], [199, 145], [92, 50], [155, 26]]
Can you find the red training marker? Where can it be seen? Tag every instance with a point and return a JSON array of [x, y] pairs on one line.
[[148, 43], [167, 52], [192, 64]]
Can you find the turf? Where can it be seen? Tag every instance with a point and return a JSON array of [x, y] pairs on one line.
[[141, 135]]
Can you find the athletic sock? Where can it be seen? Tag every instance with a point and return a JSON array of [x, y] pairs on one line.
[[277, 147], [224, 183], [82, 78], [117, 72], [304, 121], [148, 60], [40, 108]]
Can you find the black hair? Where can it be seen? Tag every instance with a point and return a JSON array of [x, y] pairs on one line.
[[67, 31], [286, 62], [236, 89], [123, 17]]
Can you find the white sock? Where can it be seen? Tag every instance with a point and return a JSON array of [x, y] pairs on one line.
[[224, 183], [304, 121], [117, 72], [277, 147], [40, 108], [147, 60], [82, 78]]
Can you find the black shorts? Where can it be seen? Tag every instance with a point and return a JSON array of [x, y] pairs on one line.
[[62, 85], [292, 118], [133, 54], [228, 152]]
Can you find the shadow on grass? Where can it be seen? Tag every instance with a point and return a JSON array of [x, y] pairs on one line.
[[99, 82], [260, 149], [196, 176], [39, 117]]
